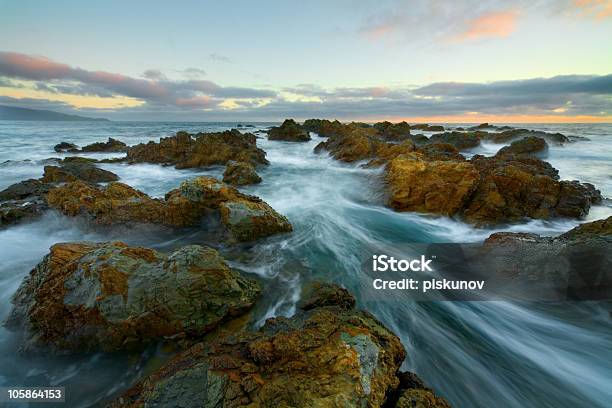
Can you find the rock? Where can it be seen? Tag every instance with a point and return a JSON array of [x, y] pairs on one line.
[[206, 149], [78, 159], [512, 188], [86, 297], [289, 131], [437, 187], [481, 127], [324, 127], [530, 146], [484, 191], [321, 294], [413, 393], [23, 201], [440, 151], [244, 217], [64, 147], [110, 146], [515, 134], [600, 228], [460, 140], [240, 174], [72, 171], [326, 356], [427, 128], [393, 131]]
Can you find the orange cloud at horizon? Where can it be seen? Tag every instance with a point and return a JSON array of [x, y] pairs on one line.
[[481, 118], [489, 25]]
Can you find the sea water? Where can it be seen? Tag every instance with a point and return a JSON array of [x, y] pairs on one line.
[[476, 354]]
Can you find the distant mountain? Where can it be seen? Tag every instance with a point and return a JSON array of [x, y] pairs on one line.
[[13, 113]]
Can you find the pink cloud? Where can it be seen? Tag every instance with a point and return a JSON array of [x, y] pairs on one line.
[[599, 9], [498, 24]]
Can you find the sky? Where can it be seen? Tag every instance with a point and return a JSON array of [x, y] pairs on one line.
[[416, 60]]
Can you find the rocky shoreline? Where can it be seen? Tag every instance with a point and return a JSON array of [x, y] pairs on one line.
[[108, 296]]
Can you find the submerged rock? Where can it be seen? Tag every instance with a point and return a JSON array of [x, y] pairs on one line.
[[110, 146], [64, 147], [88, 296], [289, 131], [240, 174], [326, 356], [203, 150]]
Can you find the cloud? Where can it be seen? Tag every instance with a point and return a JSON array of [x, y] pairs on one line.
[[155, 88], [598, 9], [498, 24]]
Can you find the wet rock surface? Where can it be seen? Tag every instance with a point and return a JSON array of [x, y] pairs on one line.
[[72, 171], [240, 174], [413, 393], [460, 140], [328, 355], [515, 134], [201, 150], [244, 217], [87, 296], [289, 131], [64, 147]]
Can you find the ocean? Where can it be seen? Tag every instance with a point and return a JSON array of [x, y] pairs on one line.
[[475, 354]]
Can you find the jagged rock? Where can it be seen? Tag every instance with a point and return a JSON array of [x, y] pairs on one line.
[[461, 140], [72, 171], [289, 131], [530, 145], [110, 146], [78, 159], [321, 294], [64, 147], [327, 356], [88, 296], [485, 190], [427, 128], [240, 174], [515, 187], [393, 131], [438, 187], [245, 217], [324, 127], [206, 149]]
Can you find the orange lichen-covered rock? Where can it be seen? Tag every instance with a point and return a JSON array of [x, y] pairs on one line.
[[437, 187], [88, 296], [327, 355]]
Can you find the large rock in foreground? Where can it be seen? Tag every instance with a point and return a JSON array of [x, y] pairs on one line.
[[289, 131], [244, 217], [109, 296], [327, 355], [201, 150]]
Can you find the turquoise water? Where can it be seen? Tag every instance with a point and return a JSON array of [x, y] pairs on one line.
[[476, 354]]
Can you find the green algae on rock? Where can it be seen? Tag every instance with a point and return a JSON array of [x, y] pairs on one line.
[[240, 174], [88, 296]]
